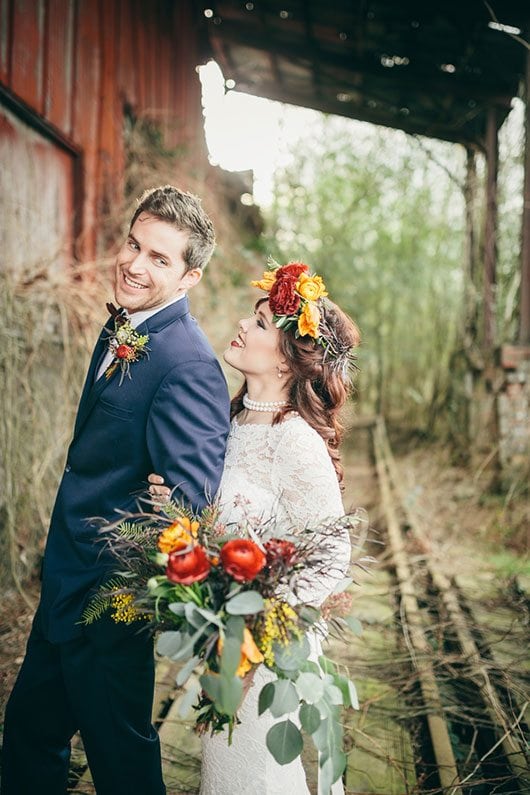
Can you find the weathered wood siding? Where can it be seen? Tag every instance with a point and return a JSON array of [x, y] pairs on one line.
[[69, 68]]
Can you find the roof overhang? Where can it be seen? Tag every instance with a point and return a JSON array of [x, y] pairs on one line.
[[429, 67]]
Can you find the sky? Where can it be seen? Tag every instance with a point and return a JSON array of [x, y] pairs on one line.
[[245, 132]]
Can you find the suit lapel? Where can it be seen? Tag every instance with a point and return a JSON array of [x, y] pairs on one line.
[[92, 390], [87, 396]]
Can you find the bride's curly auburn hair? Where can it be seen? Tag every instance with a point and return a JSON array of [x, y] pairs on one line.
[[317, 389]]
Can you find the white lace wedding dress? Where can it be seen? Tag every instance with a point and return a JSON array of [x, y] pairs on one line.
[[283, 471]]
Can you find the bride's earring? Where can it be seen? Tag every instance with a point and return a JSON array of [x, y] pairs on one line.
[[280, 374]]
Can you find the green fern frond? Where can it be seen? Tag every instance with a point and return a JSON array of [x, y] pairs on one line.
[[174, 510], [133, 531], [101, 601]]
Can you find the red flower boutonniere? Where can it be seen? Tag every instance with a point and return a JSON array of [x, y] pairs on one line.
[[127, 346]]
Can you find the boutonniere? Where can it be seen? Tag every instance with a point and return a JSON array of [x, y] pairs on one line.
[[126, 345]]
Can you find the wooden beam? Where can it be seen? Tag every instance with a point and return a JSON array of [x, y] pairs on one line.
[[470, 258], [490, 235], [413, 126], [407, 77], [524, 302]]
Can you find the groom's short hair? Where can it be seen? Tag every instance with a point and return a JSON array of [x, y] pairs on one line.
[[183, 211]]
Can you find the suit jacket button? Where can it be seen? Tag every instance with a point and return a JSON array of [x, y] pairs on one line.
[[67, 468]]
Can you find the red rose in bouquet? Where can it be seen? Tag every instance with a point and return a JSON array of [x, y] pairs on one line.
[[280, 553], [187, 567], [242, 559], [283, 300]]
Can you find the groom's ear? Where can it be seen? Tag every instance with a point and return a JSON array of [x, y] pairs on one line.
[[191, 278]]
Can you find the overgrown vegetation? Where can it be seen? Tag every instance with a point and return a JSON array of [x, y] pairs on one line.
[[47, 326], [382, 216]]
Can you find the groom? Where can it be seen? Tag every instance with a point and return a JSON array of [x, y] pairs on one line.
[[164, 411]]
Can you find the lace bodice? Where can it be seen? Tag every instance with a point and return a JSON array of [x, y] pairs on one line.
[[282, 471]]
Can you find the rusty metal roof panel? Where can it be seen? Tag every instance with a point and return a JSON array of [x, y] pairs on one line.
[[432, 68]]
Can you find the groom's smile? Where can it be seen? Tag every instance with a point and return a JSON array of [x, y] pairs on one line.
[[134, 284], [150, 269]]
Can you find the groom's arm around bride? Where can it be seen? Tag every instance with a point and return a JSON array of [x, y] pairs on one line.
[[155, 400]]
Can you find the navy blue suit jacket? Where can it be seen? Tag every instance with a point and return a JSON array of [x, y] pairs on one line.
[[172, 418]]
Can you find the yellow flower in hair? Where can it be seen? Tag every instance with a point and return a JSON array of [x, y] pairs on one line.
[[266, 283], [311, 287], [182, 530], [308, 320]]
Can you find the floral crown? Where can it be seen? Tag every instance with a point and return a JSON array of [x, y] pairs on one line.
[[296, 301]]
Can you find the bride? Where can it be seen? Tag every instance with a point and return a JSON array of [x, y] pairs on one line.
[[282, 460]]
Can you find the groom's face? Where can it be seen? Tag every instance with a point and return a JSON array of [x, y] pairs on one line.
[[150, 269]]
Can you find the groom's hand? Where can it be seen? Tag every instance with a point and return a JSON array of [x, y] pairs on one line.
[[160, 494]]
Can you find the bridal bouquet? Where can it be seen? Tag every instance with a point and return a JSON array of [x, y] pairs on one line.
[[224, 600]]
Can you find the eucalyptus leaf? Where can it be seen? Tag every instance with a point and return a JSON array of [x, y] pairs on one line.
[[235, 627], [186, 671], [354, 624], [310, 687], [192, 614], [328, 736], [285, 742], [342, 585], [320, 735], [285, 698], [230, 656], [331, 770], [309, 718], [225, 692], [169, 643], [333, 694], [325, 709], [327, 666], [245, 603], [349, 693], [309, 614], [311, 667], [188, 699], [177, 608], [265, 697], [210, 617], [178, 648], [292, 656]]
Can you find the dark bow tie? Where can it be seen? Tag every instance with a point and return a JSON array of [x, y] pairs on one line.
[[116, 312]]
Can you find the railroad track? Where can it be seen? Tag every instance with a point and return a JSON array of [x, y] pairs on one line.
[[434, 614]]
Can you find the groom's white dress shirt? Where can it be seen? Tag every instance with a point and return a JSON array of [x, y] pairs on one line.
[[135, 319]]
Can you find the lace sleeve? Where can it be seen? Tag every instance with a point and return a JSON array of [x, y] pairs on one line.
[[305, 479]]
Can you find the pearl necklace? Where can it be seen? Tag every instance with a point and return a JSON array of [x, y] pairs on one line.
[[258, 405]]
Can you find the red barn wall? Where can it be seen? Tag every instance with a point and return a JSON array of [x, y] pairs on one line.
[[68, 68]]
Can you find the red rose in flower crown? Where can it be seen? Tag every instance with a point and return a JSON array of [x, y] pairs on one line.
[[242, 559], [292, 270], [283, 298], [188, 567]]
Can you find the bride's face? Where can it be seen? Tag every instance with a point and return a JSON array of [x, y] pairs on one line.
[[255, 350]]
